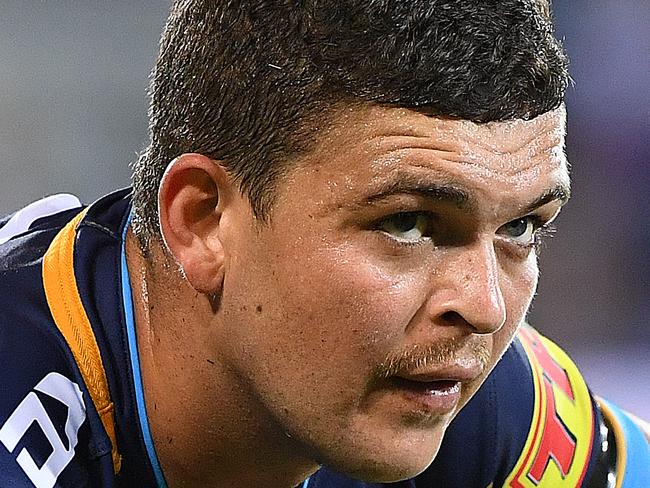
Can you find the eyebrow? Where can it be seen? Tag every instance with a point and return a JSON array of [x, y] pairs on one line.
[[560, 192], [410, 185], [454, 195]]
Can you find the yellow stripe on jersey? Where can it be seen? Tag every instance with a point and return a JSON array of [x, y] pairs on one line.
[[70, 317], [558, 447]]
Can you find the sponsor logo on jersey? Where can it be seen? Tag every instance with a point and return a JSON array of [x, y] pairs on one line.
[[558, 446], [31, 411]]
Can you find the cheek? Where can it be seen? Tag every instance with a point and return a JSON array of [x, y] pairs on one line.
[[518, 288], [524, 285], [328, 318], [304, 335], [345, 303]]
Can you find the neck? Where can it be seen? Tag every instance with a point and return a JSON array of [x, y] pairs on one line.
[[194, 403]]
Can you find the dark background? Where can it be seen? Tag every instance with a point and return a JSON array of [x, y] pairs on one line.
[[73, 80]]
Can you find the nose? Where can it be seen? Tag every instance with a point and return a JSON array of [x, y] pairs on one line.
[[471, 295]]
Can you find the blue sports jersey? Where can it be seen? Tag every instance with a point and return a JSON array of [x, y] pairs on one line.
[[72, 410]]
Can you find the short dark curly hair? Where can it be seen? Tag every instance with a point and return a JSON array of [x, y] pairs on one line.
[[250, 82]]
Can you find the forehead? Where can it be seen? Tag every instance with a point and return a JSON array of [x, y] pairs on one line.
[[372, 148]]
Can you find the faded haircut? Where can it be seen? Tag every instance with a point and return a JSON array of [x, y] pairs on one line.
[[251, 82]]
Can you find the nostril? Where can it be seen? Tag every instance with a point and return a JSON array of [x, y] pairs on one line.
[[453, 318], [478, 325]]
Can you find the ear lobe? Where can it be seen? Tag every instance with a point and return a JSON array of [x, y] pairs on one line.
[[191, 198]]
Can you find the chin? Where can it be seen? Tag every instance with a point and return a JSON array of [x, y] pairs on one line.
[[399, 457], [389, 470]]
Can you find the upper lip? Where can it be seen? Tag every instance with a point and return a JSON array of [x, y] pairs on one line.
[[461, 372]]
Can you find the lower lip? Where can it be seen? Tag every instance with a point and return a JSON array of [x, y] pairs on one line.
[[434, 398]]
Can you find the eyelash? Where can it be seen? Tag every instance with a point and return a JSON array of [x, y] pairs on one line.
[[544, 230]]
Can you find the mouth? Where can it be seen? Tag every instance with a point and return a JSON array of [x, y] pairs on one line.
[[433, 393], [433, 388], [435, 398]]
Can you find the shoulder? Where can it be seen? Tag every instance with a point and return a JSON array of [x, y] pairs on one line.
[[44, 428], [26, 233], [31, 345]]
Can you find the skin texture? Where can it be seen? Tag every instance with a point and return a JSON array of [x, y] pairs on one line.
[[268, 353]]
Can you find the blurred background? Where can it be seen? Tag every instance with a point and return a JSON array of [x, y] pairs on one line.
[[73, 81]]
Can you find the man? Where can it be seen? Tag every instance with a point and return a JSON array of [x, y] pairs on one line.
[[329, 245]]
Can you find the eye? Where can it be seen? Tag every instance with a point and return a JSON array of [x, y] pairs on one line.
[[521, 230], [407, 226]]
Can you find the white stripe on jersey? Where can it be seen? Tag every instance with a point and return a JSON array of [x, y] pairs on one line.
[[24, 218]]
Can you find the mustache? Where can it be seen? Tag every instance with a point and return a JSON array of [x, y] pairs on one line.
[[444, 351]]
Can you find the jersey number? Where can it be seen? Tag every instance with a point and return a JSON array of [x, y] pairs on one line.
[[31, 410]]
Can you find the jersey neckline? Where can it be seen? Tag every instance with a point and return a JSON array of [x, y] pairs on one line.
[[127, 301]]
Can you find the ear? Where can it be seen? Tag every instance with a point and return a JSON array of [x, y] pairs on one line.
[[192, 195]]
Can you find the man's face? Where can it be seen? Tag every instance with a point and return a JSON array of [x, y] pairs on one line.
[[398, 261]]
